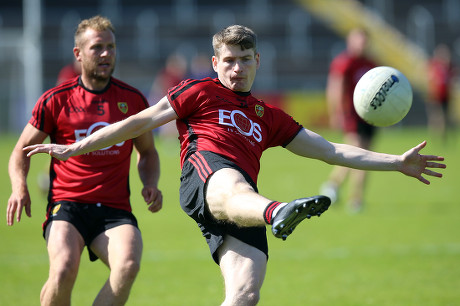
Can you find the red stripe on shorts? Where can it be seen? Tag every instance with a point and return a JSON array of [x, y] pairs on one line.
[[201, 166]]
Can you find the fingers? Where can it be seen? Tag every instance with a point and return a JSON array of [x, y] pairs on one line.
[[157, 203], [35, 149], [158, 197], [430, 157], [19, 215], [417, 148], [426, 172], [28, 211], [60, 152], [424, 180], [433, 157], [32, 152], [430, 162], [153, 198], [148, 194], [421, 145], [435, 165], [432, 173], [11, 211], [155, 207]]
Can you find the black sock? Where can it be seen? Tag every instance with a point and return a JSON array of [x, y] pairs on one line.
[[268, 212]]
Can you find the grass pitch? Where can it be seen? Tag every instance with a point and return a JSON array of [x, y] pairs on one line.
[[403, 249]]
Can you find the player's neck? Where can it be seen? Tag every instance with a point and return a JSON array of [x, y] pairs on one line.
[[94, 84]]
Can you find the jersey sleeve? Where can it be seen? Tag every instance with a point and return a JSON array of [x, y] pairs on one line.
[[43, 113], [142, 103], [185, 97], [283, 128], [128, 93], [339, 65]]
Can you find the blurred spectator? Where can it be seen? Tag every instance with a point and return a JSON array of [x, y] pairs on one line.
[[69, 71], [345, 71], [171, 75], [200, 67], [440, 75]]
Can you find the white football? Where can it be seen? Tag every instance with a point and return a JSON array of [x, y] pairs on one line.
[[383, 96]]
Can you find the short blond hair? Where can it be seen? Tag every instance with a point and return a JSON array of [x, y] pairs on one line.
[[97, 23], [236, 35]]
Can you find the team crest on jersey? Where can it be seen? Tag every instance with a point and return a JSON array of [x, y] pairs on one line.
[[259, 110], [56, 209], [123, 107]]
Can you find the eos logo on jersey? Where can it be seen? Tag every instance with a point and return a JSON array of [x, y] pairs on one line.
[[81, 134], [243, 124]]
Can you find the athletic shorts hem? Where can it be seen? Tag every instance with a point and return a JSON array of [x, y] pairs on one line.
[[196, 171], [89, 219]]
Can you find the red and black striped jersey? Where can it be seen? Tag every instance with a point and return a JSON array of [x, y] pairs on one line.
[[69, 113], [233, 124]]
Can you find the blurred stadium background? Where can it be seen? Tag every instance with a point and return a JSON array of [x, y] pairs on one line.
[[403, 250], [297, 40]]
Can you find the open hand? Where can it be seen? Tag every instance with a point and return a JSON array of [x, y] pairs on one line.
[[415, 164], [61, 152]]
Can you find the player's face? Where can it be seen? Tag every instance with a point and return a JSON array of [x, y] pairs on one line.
[[97, 55], [357, 43], [236, 68]]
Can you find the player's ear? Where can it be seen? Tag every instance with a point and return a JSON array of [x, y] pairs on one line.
[[214, 62], [76, 52], [257, 57]]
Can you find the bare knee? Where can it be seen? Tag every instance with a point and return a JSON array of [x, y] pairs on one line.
[[247, 295], [127, 269], [57, 289], [252, 298], [243, 268], [63, 273]]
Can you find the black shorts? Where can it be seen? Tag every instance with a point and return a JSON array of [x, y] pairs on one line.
[[365, 130], [195, 173], [89, 219]]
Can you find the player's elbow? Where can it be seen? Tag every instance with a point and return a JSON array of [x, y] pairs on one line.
[[328, 155]]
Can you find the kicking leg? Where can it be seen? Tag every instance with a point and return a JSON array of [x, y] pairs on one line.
[[230, 197], [290, 215]]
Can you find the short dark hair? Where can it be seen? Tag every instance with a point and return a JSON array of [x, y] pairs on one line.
[[235, 35]]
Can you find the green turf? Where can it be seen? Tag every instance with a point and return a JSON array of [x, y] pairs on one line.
[[404, 249]]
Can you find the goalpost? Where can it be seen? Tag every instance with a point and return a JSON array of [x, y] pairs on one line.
[[21, 76]]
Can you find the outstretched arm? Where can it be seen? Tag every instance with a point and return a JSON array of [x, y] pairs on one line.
[[411, 163], [131, 127]]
